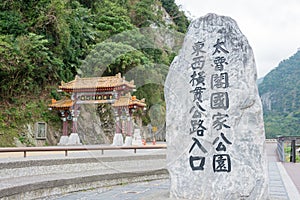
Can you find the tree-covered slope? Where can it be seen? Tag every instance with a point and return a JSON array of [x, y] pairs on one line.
[[280, 94], [43, 42]]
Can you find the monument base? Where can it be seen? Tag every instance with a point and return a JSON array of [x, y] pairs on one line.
[[118, 140], [137, 139], [74, 139], [63, 140], [128, 141]]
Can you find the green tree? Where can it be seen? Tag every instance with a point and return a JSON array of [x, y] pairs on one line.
[[110, 18], [177, 16], [280, 88], [45, 41], [109, 58], [143, 13], [11, 23], [26, 65]]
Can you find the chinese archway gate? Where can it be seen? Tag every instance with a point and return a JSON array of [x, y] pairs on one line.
[[114, 90]]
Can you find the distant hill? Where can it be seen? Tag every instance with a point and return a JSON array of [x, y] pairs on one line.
[[280, 95]]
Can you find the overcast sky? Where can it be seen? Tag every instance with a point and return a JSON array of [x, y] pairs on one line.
[[272, 27]]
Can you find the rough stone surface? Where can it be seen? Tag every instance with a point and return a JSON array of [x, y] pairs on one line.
[[215, 130], [96, 124]]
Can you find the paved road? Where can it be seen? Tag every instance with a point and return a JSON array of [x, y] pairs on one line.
[[40, 173], [292, 169], [136, 191], [280, 175]]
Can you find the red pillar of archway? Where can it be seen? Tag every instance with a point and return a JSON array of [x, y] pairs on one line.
[[75, 114], [64, 116]]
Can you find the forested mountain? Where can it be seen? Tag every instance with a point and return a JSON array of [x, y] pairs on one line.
[[43, 42], [280, 94]]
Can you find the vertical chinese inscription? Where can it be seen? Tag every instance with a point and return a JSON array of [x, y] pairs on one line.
[[197, 127], [219, 103]]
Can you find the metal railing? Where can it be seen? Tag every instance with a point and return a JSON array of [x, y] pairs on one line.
[[281, 140], [280, 149], [66, 149]]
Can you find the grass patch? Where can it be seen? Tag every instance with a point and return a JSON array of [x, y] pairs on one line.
[[287, 151]]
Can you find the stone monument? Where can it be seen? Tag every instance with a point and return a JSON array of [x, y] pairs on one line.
[[215, 129]]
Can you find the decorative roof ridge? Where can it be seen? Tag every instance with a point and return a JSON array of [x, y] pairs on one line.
[[65, 102], [127, 100], [77, 77], [65, 98], [134, 100], [97, 82]]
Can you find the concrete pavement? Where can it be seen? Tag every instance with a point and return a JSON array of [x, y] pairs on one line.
[[281, 185], [42, 176], [293, 170], [284, 178], [154, 190], [280, 189]]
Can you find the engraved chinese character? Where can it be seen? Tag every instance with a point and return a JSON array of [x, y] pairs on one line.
[[197, 142], [197, 110], [221, 146], [197, 126], [198, 93], [198, 63], [200, 160], [219, 63], [198, 79], [219, 121], [221, 163], [219, 100], [219, 47], [198, 46], [219, 81]]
